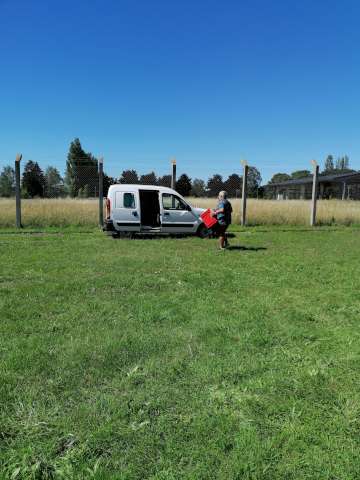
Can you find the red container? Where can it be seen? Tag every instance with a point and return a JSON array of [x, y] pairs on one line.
[[209, 221]]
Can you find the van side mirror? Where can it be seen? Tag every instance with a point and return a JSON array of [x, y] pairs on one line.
[[189, 208]]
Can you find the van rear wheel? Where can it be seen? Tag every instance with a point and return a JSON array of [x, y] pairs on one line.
[[126, 234], [204, 231]]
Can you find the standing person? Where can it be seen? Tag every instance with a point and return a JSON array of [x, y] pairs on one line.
[[223, 215]]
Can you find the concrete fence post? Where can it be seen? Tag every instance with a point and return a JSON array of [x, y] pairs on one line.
[[173, 174], [244, 190], [17, 190], [173, 179], [101, 192], [314, 192]]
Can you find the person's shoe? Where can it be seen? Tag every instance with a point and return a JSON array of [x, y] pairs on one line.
[[219, 249], [227, 246]]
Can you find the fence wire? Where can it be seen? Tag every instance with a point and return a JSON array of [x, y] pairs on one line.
[[65, 181]]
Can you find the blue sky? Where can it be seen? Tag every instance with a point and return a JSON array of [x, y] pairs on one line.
[[206, 82]]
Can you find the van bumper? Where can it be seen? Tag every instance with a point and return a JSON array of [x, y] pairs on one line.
[[109, 226]]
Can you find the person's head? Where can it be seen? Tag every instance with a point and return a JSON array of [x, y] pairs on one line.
[[223, 194]]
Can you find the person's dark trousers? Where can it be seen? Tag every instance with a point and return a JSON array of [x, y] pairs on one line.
[[220, 231]]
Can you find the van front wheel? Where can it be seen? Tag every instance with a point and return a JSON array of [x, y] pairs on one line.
[[126, 234], [204, 231]]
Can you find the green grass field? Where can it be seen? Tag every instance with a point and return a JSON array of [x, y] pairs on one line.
[[161, 359]]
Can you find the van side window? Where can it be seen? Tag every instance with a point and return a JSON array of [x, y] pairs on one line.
[[129, 200], [172, 202]]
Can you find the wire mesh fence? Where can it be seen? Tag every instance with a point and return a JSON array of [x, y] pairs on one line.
[[59, 191]]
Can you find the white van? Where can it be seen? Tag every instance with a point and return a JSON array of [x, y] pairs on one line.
[[134, 209]]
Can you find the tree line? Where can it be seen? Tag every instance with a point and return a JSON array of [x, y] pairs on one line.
[[341, 166], [197, 187], [81, 180], [331, 190]]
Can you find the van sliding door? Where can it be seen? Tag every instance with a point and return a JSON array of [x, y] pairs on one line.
[[127, 211]]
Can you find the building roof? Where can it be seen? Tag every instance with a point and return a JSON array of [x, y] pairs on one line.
[[341, 177]]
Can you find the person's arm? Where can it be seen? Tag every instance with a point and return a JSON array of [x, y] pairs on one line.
[[221, 210]]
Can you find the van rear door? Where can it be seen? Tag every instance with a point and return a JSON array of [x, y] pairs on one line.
[[126, 212]]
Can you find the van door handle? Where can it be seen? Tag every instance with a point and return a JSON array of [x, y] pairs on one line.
[[166, 213], [135, 214]]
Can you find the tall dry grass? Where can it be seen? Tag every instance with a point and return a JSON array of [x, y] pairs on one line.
[[289, 212], [60, 212], [73, 212]]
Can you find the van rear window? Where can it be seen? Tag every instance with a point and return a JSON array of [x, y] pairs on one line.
[[129, 200]]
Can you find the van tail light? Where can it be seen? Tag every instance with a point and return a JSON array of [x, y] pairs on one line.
[[108, 209]]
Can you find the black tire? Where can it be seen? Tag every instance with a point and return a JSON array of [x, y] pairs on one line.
[[126, 235], [204, 232]]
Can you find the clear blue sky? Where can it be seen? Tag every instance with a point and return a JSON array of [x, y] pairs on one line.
[[208, 82]]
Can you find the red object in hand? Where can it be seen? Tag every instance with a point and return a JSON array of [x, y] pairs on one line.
[[207, 219]]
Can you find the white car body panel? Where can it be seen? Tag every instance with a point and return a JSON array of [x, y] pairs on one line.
[[151, 209]]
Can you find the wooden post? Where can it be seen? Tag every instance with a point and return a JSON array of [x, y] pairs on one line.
[[173, 174], [344, 192], [321, 190], [101, 192], [244, 189], [287, 193], [17, 190], [314, 192]]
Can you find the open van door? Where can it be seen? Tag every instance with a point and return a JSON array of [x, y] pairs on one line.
[[177, 215], [126, 214], [150, 210]]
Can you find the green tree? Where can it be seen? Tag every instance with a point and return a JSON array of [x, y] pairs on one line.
[[129, 177], [253, 182], [335, 189], [301, 174], [81, 169], [342, 163], [80, 193], [215, 185], [280, 177], [183, 185], [7, 182], [33, 180], [233, 185], [54, 184], [164, 181], [342, 166], [329, 163], [198, 188], [86, 191], [107, 181], [148, 179]]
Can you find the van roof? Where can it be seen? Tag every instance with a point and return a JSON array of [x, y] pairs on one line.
[[136, 186]]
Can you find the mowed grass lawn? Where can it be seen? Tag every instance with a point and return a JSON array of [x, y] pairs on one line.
[[161, 359]]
